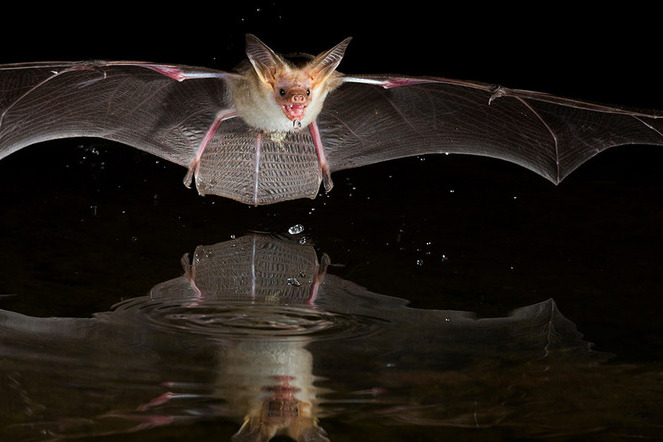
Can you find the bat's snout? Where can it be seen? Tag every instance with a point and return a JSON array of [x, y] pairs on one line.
[[294, 98], [294, 105], [298, 98]]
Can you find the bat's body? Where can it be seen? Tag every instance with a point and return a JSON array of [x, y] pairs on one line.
[[273, 94], [275, 128]]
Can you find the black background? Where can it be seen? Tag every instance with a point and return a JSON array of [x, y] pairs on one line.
[[493, 236], [87, 224]]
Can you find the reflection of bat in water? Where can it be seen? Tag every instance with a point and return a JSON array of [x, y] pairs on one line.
[[275, 128], [269, 341]]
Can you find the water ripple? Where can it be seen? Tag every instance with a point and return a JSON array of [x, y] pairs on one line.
[[239, 320]]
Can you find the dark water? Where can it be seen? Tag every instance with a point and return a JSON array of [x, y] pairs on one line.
[[437, 298]]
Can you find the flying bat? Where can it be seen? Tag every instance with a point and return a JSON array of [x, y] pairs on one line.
[[276, 127]]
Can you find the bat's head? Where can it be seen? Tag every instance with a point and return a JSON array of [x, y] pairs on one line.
[[297, 87], [288, 417]]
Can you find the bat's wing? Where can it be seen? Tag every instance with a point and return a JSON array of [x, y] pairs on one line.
[[144, 106], [170, 111], [367, 123], [128, 102]]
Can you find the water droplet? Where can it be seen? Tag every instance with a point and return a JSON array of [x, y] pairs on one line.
[[296, 229], [420, 262], [294, 282]]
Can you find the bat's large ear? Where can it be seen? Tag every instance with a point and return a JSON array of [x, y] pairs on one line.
[[264, 60], [327, 62]]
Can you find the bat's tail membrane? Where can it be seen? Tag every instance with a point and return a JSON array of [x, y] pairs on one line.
[[256, 167]]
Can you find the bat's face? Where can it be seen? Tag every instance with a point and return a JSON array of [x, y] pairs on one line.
[[290, 94], [294, 93]]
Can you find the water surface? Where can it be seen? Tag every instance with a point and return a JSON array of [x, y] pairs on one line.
[[429, 298]]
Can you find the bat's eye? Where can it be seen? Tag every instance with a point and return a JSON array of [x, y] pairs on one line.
[[282, 92], [308, 92]]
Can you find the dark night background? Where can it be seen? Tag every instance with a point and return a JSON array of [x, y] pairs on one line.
[[94, 224], [478, 211], [482, 214]]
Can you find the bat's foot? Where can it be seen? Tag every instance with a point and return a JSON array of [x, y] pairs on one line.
[[327, 179], [191, 174], [188, 179]]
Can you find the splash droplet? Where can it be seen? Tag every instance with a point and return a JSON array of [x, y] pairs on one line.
[[296, 229], [294, 282]]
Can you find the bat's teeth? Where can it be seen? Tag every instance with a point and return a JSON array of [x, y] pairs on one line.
[[294, 112]]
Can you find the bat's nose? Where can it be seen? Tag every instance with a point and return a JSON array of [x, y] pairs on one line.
[[298, 98]]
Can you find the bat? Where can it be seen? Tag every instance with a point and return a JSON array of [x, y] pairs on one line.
[[275, 128]]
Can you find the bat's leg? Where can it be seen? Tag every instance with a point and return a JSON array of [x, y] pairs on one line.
[[190, 276], [318, 279], [322, 158], [193, 167]]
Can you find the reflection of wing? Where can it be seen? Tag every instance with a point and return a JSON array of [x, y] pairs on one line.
[[246, 335], [364, 124]]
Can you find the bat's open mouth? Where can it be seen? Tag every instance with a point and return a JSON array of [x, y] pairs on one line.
[[294, 111]]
